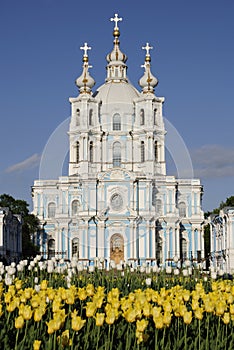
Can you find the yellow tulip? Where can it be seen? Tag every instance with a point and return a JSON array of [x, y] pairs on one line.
[[220, 308], [19, 322], [56, 305], [18, 284], [195, 304], [199, 313], [147, 309], [110, 316], [167, 306], [99, 319], [36, 344], [89, 290], [186, 295], [11, 290], [70, 299], [130, 315], [187, 317], [38, 314], [141, 325], [158, 321], [82, 293], [156, 311], [44, 285], [77, 323], [182, 310], [28, 293], [27, 312], [226, 318], [90, 309], [51, 293], [231, 309], [11, 306], [7, 297], [167, 319], [51, 326]]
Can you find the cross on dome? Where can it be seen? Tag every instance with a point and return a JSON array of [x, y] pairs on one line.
[[147, 48], [116, 19], [85, 48]]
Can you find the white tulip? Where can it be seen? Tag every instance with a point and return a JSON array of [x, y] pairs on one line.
[[91, 268], [8, 280], [37, 288], [168, 269], [148, 281], [213, 275]]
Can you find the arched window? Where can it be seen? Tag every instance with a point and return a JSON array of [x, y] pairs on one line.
[[91, 151], [156, 151], [77, 152], [75, 247], [142, 117], [158, 207], [90, 117], [116, 122], [75, 207], [77, 117], [116, 154], [155, 116], [142, 151], [182, 209], [51, 248], [51, 210]]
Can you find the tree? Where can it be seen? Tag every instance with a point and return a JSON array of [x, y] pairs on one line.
[[30, 222], [16, 206]]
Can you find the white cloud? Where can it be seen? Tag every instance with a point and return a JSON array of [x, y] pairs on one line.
[[26, 164], [213, 161]]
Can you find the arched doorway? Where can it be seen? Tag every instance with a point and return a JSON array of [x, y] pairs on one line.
[[117, 248], [51, 248]]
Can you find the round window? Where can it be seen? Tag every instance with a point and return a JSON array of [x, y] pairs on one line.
[[116, 201]]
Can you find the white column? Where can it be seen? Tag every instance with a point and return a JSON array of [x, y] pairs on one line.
[[100, 240]]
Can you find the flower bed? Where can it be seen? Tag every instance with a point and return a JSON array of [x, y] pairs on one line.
[[66, 308]]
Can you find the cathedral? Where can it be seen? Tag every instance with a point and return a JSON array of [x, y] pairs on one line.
[[117, 202]]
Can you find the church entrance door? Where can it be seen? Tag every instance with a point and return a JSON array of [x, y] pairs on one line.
[[117, 248]]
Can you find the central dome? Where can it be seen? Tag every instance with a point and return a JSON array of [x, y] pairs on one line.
[[117, 92]]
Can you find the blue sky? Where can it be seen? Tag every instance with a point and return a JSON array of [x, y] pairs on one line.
[[192, 58]]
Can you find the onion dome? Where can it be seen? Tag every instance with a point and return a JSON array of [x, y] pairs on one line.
[[116, 68], [148, 81], [85, 82]]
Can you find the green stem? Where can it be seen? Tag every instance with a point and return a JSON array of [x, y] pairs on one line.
[[199, 332], [54, 342], [25, 333], [73, 335], [16, 340], [207, 332], [186, 328], [112, 336], [156, 339], [98, 336], [164, 330], [217, 337]]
